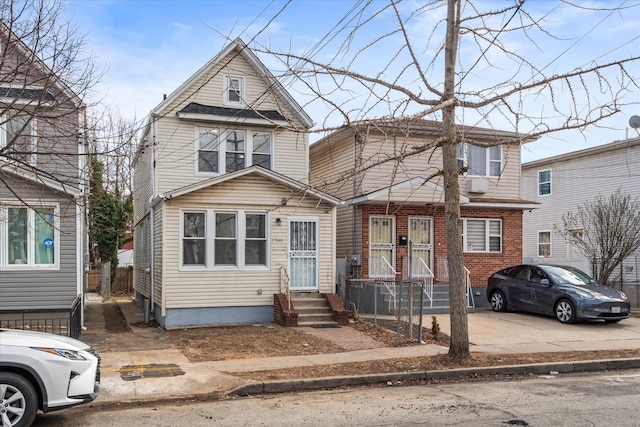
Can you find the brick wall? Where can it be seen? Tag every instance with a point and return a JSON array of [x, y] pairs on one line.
[[481, 265]]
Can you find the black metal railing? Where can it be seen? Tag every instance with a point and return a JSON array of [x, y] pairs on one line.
[[65, 321]]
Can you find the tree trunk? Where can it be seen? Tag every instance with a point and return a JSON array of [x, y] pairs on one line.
[[459, 340]]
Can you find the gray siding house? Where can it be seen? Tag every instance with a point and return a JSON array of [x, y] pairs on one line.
[[42, 209], [562, 183]]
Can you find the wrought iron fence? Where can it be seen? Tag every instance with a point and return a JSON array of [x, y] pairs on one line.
[[67, 321]]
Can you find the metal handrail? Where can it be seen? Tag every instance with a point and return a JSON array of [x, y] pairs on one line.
[[467, 279], [427, 276]]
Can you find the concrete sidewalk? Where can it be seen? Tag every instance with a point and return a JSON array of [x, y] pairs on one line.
[[141, 365]]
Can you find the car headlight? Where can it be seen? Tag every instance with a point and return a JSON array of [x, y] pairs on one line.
[[585, 294], [67, 354]]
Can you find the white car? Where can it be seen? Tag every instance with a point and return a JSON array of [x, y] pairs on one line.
[[43, 371]]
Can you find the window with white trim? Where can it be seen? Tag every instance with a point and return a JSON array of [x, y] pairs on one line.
[[482, 235], [235, 239], [221, 151], [255, 248], [544, 182], [234, 90], [18, 137], [194, 238], [235, 150], [544, 244], [261, 143], [208, 143], [29, 237], [480, 161]]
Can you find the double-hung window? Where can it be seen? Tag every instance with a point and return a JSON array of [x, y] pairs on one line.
[[480, 161], [261, 143], [544, 243], [234, 90], [208, 148], [544, 182], [225, 239], [255, 247], [234, 239], [28, 237], [227, 150], [235, 150], [194, 238], [482, 235], [18, 139]]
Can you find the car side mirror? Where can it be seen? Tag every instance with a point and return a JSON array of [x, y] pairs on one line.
[[544, 282]]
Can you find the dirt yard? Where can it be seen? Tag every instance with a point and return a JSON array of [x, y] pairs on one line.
[[246, 342]]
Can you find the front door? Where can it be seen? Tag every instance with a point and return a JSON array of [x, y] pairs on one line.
[[381, 247], [420, 239], [303, 254]]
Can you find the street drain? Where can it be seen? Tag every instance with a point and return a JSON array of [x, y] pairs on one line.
[[154, 370], [521, 423]]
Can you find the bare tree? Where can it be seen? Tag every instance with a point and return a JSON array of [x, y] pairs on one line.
[[606, 230], [45, 75], [389, 74]]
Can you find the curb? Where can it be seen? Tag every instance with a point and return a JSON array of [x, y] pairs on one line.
[[306, 384], [310, 384]]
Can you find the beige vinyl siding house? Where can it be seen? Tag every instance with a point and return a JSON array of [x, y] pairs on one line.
[[393, 216], [224, 210], [562, 183]]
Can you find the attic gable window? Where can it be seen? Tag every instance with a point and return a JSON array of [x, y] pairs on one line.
[[234, 90], [18, 139]]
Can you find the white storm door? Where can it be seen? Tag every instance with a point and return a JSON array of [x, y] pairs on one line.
[[303, 254], [420, 236], [381, 247]]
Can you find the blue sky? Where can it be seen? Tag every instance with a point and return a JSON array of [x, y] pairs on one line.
[[148, 48]]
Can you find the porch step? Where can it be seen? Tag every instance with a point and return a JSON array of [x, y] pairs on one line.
[[313, 309]]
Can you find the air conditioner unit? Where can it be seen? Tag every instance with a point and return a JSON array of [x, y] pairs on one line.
[[477, 186]]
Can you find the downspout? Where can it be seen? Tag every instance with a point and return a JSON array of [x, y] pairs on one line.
[[151, 216], [81, 202]]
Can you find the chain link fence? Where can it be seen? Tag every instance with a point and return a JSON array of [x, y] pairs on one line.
[[397, 305]]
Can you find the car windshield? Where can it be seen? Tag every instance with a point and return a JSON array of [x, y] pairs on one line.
[[568, 276]]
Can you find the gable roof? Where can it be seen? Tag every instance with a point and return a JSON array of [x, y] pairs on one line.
[[257, 170], [420, 127], [587, 152], [9, 36], [40, 179], [403, 192], [255, 63]]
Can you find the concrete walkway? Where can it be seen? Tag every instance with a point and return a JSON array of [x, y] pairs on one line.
[[141, 366]]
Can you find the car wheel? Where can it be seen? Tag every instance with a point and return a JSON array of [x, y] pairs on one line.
[[565, 312], [498, 301], [18, 402]]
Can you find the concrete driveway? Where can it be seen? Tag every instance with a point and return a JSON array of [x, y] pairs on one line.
[[528, 333]]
